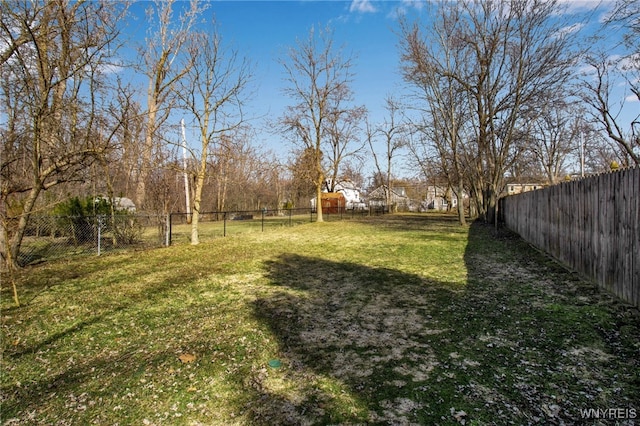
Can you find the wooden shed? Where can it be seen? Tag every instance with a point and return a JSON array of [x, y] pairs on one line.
[[333, 202]]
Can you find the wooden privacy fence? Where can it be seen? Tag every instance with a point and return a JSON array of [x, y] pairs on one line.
[[591, 225]]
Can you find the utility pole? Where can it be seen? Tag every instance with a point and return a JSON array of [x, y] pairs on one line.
[[186, 175]]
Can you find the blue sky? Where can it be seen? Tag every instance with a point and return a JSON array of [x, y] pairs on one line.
[[262, 31]]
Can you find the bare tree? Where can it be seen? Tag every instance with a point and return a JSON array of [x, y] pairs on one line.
[[52, 72], [211, 91], [553, 136], [626, 14], [273, 182], [601, 152], [302, 168], [224, 155], [424, 157], [440, 96], [514, 54], [318, 78], [160, 55], [233, 162], [352, 170], [124, 159], [343, 133], [394, 136], [606, 110]]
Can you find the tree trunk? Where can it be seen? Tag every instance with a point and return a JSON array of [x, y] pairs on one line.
[[491, 205], [319, 217], [222, 201], [147, 150], [478, 198], [197, 198], [460, 195], [12, 243], [195, 220]]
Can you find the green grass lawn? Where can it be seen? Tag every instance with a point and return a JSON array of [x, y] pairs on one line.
[[405, 319]]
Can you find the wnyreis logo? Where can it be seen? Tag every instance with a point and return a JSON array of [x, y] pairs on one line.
[[609, 413]]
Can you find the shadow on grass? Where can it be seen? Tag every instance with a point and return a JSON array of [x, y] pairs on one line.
[[525, 341], [364, 329], [415, 221]]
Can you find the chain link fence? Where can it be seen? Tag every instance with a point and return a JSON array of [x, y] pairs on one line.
[[54, 237]]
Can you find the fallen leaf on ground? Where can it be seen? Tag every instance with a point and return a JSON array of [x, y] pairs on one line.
[[187, 358]]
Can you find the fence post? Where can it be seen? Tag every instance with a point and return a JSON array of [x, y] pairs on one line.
[[290, 216], [262, 220], [224, 224], [167, 231], [99, 220]]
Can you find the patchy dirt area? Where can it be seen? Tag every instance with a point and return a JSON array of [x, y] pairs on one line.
[[524, 342]]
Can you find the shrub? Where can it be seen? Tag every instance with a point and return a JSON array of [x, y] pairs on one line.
[[79, 220], [126, 228]]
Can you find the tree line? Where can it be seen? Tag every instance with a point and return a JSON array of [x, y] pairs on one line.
[[495, 93]]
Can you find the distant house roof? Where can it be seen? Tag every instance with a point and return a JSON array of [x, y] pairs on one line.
[[442, 192], [123, 203], [339, 185], [395, 193], [517, 188]]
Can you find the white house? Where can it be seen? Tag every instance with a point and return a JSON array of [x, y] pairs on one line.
[[397, 197], [440, 198], [120, 203], [518, 188], [350, 192]]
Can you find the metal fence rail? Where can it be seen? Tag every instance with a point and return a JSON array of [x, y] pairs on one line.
[[55, 237], [224, 223]]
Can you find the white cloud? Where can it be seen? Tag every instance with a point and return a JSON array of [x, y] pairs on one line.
[[608, 8], [114, 68], [573, 6], [570, 29], [631, 98], [416, 4], [624, 64], [362, 6], [586, 70], [630, 63], [614, 58], [404, 8]]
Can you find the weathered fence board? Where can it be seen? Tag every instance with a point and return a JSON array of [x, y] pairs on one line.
[[592, 225]]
